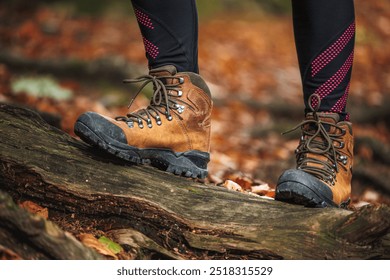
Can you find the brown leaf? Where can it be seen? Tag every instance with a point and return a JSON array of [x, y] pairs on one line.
[[215, 179], [35, 208], [90, 241], [245, 183], [262, 189], [370, 196], [365, 152], [243, 180], [230, 185], [270, 194]]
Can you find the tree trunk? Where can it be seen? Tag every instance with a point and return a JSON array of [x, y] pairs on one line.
[[158, 215]]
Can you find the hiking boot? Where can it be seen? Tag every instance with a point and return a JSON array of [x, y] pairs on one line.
[[324, 164], [172, 133]]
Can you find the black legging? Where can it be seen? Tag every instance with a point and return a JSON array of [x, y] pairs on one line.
[[170, 32], [324, 37]]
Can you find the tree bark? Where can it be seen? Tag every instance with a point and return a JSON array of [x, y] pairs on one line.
[[24, 235], [158, 215]]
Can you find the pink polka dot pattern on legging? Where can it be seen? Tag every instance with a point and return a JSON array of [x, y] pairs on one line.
[[330, 53], [341, 103], [331, 84], [143, 19], [150, 48]]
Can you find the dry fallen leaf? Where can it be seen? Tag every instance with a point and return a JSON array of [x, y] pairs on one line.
[[260, 189], [230, 185], [215, 179], [90, 241], [370, 196], [270, 194], [35, 208], [244, 182]]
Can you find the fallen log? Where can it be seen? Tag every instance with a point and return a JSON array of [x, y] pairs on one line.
[[110, 68], [24, 235], [164, 216]]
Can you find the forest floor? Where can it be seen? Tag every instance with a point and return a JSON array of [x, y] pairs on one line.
[[252, 70]]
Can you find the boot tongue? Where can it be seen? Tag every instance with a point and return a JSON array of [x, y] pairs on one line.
[[332, 118], [167, 70], [325, 117]]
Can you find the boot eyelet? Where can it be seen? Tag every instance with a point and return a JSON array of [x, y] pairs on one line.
[[150, 124], [140, 124], [158, 120], [169, 117], [181, 80], [179, 93], [341, 145], [342, 158], [180, 110], [130, 124]]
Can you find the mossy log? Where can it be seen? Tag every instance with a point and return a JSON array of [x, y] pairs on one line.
[[164, 216]]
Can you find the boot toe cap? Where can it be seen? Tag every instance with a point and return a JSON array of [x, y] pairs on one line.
[[91, 122], [303, 188]]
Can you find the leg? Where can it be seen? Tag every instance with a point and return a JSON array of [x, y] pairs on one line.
[[169, 31], [324, 34], [173, 132]]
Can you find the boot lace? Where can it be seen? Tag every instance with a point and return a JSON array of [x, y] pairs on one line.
[[316, 139], [163, 102]]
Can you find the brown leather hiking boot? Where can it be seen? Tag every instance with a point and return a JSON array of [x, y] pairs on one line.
[[324, 164], [172, 133]]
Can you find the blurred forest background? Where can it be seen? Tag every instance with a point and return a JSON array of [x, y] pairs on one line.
[[63, 58]]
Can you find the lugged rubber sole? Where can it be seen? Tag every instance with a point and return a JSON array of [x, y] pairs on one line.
[[298, 187], [192, 164]]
